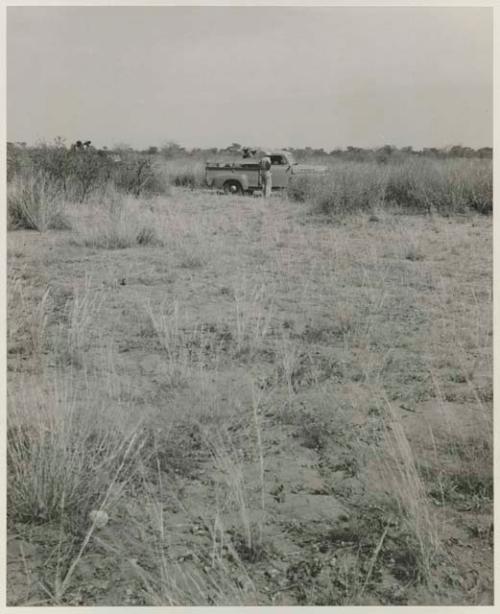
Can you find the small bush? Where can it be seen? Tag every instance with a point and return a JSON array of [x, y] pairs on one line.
[[140, 176]]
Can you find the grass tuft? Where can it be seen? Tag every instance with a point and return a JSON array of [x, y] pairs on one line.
[[34, 202]]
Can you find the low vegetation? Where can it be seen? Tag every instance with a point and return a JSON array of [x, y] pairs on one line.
[[415, 185], [218, 400], [43, 178]]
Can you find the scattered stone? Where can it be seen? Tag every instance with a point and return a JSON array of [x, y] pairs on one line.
[[99, 518]]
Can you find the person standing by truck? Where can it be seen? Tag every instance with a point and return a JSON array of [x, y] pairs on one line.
[[265, 174]]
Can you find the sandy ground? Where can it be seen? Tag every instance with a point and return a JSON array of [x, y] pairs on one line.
[[267, 353]]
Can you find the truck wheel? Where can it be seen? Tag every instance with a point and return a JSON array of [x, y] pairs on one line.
[[233, 187]]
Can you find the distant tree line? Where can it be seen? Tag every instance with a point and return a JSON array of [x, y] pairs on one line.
[[380, 154], [172, 150]]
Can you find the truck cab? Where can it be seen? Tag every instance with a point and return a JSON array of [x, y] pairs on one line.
[[281, 169]]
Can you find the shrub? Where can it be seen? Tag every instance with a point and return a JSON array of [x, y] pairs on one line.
[[138, 175], [86, 171], [77, 173], [18, 160]]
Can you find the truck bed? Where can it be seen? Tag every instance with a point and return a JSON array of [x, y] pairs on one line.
[[233, 165]]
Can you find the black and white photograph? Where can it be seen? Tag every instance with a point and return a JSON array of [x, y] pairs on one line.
[[249, 305]]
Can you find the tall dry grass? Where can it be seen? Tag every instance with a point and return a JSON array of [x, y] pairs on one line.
[[62, 462], [399, 469], [27, 326], [186, 173], [34, 202], [116, 221], [414, 185]]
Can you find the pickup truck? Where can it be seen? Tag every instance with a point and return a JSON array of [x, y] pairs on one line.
[[244, 176]]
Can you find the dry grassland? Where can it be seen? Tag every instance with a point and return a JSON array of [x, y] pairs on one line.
[[268, 407]]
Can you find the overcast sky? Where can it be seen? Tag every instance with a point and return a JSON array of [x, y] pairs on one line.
[[209, 76]]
